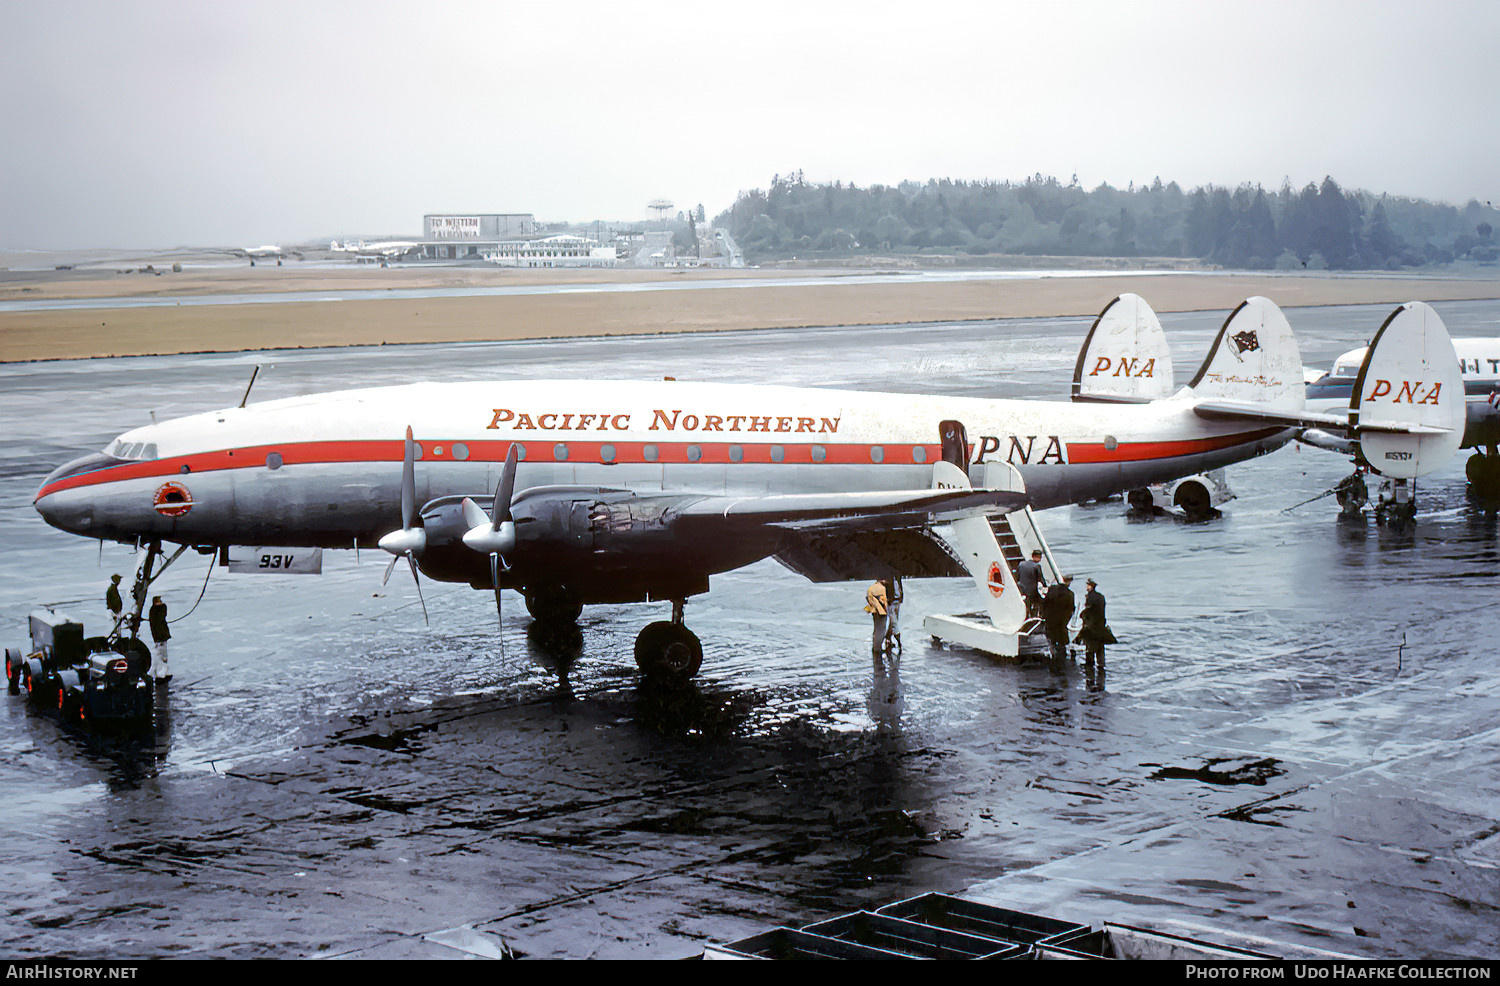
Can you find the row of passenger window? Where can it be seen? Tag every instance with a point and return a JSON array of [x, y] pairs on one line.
[[608, 453], [650, 453]]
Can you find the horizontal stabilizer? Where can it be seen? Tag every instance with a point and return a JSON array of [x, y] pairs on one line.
[[1318, 438], [1231, 411], [1408, 407], [1124, 358]]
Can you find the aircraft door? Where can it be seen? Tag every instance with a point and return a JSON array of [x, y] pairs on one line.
[[955, 444]]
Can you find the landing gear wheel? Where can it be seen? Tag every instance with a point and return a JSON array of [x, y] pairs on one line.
[[553, 606], [1141, 500], [668, 651], [1194, 501], [12, 669], [1483, 472]]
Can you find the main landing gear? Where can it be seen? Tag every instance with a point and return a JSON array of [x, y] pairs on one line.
[[554, 604], [1483, 471], [667, 650], [1396, 505]]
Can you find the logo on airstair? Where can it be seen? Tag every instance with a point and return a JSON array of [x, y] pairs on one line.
[[996, 580]]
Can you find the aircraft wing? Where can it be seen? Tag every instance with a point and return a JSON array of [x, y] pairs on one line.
[[1247, 412], [830, 512]]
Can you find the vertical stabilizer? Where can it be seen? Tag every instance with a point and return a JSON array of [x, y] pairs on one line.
[[1410, 378], [1254, 358], [1124, 356]]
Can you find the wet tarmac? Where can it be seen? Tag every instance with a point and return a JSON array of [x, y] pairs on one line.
[[1295, 739]]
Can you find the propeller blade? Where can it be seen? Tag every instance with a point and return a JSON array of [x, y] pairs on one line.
[[499, 608], [412, 559], [388, 569], [474, 515], [409, 539], [505, 489], [408, 481]]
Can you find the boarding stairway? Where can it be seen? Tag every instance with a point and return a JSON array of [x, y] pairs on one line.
[[1018, 535], [990, 549]]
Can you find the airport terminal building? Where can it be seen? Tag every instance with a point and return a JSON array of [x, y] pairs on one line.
[[507, 239], [456, 236], [517, 240]]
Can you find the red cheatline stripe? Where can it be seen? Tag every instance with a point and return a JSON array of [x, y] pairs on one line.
[[592, 453], [1095, 452]]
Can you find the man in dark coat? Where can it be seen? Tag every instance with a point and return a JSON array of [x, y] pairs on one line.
[[160, 636], [112, 598], [1057, 612], [1029, 580], [1095, 633]]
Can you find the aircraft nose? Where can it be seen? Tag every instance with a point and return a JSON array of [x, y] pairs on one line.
[[62, 506], [63, 512]]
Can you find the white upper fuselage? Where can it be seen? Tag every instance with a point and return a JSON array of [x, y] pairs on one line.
[[324, 469]]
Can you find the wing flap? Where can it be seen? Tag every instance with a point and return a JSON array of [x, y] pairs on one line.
[[876, 510]]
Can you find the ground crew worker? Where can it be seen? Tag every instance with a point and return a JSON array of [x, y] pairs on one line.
[[1029, 580], [160, 636], [894, 595], [877, 604], [112, 598]]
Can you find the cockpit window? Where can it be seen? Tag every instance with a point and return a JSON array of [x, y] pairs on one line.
[[131, 450]]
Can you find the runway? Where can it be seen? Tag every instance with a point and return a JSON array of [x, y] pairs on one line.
[[1295, 738]]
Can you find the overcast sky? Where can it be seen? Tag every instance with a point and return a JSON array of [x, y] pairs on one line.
[[129, 123]]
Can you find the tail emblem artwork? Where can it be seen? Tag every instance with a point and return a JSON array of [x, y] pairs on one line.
[[172, 500], [1243, 342]]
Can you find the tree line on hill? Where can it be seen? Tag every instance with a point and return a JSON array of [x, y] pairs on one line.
[[1320, 226]]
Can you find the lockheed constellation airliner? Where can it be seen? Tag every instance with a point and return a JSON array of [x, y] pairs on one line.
[[611, 492]]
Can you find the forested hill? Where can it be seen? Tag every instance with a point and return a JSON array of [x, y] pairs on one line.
[[1317, 227]]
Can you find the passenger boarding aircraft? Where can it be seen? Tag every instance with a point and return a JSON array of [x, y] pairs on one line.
[[610, 492], [1479, 368]]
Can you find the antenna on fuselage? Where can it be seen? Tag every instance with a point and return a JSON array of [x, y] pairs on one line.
[[253, 374]]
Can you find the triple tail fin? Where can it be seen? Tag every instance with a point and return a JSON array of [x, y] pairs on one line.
[[1125, 356], [1407, 411], [1254, 360], [1408, 408]]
